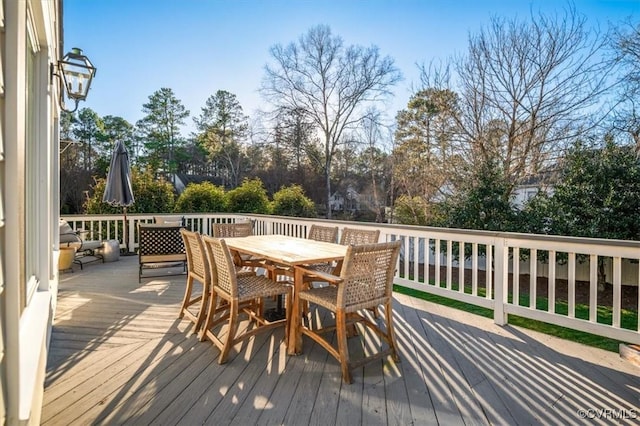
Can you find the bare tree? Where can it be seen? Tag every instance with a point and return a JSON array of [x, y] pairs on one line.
[[527, 88], [330, 82], [626, 43]]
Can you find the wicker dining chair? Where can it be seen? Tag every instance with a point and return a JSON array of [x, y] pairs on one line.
[[350, 236], [238, 229], [354, 236], [230, 230], [365, 281], [197, 270], [243, 294], [328, 234]]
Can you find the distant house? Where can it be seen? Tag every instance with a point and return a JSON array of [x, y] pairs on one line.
[[345, 201], [531, 185]]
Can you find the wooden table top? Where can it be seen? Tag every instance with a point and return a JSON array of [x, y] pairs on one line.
[[287, 250]]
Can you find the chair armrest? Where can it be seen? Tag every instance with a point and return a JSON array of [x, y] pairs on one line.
[[323, 276]]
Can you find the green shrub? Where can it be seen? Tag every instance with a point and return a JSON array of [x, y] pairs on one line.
[[291, 201], [481, 202], [201, 198], [250, 197]]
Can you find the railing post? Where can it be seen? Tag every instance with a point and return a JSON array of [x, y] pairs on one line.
[[501, 280]]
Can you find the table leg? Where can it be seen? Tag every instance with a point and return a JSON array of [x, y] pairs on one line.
[[295, 336], [277, 313]]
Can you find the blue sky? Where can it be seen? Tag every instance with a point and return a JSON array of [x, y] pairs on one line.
[[197, 47]]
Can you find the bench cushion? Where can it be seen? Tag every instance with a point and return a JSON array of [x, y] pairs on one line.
[[67, 235], [168, 220], [161, 258]]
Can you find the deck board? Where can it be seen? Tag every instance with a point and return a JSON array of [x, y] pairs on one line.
[[119, 355]]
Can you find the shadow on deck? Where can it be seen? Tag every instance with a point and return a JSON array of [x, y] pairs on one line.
[[119, 355]]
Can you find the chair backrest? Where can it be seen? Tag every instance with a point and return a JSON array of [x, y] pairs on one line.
[[328, 234], [367, 274], [356, 237], [196, 257], [159, 240], [223, 270], [230, 230]]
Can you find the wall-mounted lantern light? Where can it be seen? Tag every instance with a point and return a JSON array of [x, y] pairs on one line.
[[75, 72]]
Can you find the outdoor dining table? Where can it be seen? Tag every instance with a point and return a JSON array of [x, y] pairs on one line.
[[289, 251]]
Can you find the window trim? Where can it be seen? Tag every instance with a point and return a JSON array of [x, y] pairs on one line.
[[32, 169]]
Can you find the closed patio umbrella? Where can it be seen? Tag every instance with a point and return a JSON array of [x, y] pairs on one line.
[[118, 191]]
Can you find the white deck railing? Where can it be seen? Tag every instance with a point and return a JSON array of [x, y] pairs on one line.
[[424, 268]]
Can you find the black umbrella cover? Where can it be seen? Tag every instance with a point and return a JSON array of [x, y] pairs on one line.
[[118, 191]]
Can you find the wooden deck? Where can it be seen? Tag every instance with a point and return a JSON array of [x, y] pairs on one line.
[[119, 355]]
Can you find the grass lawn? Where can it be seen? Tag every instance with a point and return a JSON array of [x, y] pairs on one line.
[[628, 320]]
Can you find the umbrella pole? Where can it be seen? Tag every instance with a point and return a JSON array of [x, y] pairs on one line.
[[124, 232]]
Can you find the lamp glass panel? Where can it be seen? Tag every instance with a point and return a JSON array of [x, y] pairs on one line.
[[76, 80]]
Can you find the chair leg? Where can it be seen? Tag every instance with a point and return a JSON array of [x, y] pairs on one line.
[[202, 313], [231, 333], [390, 332], [187, 296], [305, 304], [343, 349], [211, 311]]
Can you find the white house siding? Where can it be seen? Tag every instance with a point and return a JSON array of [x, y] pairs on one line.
[[29, 204], [3, 368]]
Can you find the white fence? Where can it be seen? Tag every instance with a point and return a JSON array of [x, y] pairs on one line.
[[509, 254]]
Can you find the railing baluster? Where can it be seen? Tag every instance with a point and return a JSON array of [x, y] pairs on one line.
[[489, 270], [461, 267], [416, 258], [533, 278], [405, 243], [551, 282], [449, 263], [474, 269], [571, 285], [593, 288], [425, 261], [516, 276], [438, 262]]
